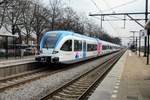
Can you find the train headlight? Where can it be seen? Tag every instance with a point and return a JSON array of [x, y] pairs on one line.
[[54, 52]]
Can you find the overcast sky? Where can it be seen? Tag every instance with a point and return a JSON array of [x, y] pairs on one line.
[[114, 28]]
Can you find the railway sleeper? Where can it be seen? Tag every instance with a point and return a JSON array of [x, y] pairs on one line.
[[72, 89], [85, 83], [61, 98], [3, 84], [82, 85], [57, 98], [62, 94], [72, 92], [78, 86], [16, 80], [10, 82]]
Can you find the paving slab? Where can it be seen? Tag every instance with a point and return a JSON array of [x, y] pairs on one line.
[[135, 81], [128, 80], [105, 90], [14, 61]]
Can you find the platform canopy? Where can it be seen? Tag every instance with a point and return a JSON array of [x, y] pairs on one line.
[[8, 35], [5, 33]]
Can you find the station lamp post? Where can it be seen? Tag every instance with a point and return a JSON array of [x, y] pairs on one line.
[[140, 32], [134, 40], [147, 27], [133, 36]]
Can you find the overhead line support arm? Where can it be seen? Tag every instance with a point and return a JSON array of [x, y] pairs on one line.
[[135, 21]]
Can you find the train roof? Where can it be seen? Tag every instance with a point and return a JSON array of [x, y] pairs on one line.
[[65, 33]]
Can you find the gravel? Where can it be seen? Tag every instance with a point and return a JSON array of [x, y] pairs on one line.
[[39, 88]]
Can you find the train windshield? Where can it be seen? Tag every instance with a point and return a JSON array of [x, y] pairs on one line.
[[51, 41]]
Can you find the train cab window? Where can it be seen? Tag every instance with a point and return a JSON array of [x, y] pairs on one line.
[[67, 46], [50, 41], [77, 45]]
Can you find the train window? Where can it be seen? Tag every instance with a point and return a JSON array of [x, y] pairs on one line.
[[110, 47], [104, 47], [91, 47], [94, 47], [107, 47], [77, 45], [67, 46]]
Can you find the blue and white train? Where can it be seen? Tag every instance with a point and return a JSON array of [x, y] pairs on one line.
[[69, 47]]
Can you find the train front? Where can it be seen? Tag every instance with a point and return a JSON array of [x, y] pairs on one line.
[[48, 53]]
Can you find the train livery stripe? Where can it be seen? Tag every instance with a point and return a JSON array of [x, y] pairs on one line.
[[61, 36]]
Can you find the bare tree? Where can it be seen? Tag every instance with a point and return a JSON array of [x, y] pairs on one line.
[[68, 18], [28, 19], [54, 7], [14, 16], [3, 8], [3, 1], [40, 21]]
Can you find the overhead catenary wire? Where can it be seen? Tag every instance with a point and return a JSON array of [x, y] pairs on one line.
[[96, 6], [115, 17], [122, 5], [107, 4], [101, 13]]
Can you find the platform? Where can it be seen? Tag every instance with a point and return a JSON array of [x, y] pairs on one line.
[[14, 66], [129, 79], [15, 61]]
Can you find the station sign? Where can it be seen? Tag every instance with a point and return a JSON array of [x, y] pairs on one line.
[[143, 33]]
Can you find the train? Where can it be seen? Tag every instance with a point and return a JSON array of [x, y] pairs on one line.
[[69, 47]]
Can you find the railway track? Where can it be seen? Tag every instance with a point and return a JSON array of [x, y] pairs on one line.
[[80, 87], [17, 80]]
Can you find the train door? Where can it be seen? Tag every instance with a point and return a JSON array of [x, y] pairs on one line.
[[66, 53], [84, 49]]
